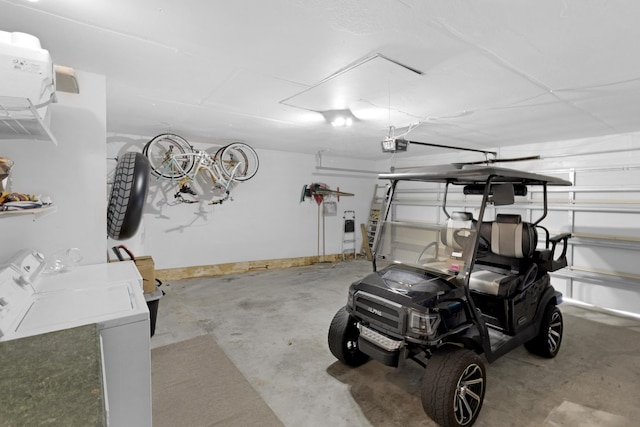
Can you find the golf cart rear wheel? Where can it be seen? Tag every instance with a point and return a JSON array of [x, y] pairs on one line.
[[547, 343], [453, 387], [343, 339]]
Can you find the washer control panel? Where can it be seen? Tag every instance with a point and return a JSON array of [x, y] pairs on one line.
[[16, 290], [28, 264]]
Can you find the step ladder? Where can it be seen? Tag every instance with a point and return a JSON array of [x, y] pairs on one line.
[[349, 234], [369, 231]]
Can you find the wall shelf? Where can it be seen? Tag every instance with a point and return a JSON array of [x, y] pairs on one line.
[[36, 212], [21, 119]]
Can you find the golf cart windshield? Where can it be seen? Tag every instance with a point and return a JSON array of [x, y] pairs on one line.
[[448, 244], [441, 247]]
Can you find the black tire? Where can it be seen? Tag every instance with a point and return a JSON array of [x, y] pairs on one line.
[[547, 343], [128, 194], [238, 155], [453, 387], [159, 150], [343, 339]]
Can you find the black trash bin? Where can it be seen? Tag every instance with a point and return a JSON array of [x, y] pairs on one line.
[[153, 301]]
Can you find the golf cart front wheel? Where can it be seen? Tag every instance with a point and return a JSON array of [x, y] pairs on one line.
[[343, 339], [453, 387]]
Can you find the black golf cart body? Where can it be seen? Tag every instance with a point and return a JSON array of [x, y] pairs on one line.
[[443, 293]]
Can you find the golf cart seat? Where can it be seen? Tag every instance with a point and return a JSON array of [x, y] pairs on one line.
[[546, 258], [509, 267], [454, 237], [457, 221]]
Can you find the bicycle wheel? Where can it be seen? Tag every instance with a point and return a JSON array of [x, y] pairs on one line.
[[238, 161], [166, 156]]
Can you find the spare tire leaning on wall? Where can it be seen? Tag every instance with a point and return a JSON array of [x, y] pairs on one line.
[[128, 194]]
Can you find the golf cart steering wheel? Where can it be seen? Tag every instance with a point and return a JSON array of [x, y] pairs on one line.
[[426, 248], [484, 246], [461, 236]]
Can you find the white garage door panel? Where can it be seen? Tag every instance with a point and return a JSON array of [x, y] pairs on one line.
[[418, 213], [603, 296], [622, 177], [608, 223], [606, 259]]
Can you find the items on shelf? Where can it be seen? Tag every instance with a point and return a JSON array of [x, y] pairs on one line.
[[5, 167], [12, 201], [18, 201], [320, 193]]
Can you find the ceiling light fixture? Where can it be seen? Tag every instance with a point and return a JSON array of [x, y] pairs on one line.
[[342, 121], [339, 118]]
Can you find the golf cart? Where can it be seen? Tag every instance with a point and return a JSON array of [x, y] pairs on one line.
[[442, 293]]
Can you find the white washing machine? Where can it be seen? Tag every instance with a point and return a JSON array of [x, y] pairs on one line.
[[109, 295]]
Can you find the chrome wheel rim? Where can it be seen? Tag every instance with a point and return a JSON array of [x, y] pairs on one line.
[[469, 392], [554, 334]]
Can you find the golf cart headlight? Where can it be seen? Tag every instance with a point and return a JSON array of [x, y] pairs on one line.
[[350, 298], [423, 323]]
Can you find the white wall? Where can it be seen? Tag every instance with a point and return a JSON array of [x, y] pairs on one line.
[[265, 220], [71, 173]]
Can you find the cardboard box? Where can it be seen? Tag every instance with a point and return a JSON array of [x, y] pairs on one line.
[[146, 267]]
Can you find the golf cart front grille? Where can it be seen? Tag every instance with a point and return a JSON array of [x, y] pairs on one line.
[[378, 339], [378, 311]]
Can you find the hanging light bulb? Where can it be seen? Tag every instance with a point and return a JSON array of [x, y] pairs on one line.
[[338, 121]]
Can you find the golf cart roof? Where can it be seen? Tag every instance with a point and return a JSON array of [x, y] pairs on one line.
[[472, 175]]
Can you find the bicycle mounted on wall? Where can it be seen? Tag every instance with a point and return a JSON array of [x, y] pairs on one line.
[[173, 159]]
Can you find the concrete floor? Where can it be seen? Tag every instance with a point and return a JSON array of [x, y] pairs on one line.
[[273, 325]]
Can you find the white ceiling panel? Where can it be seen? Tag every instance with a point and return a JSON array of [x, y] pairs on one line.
[[368, 79], [615, 104]]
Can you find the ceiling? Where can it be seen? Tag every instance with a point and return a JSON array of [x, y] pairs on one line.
[[476, 74]]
